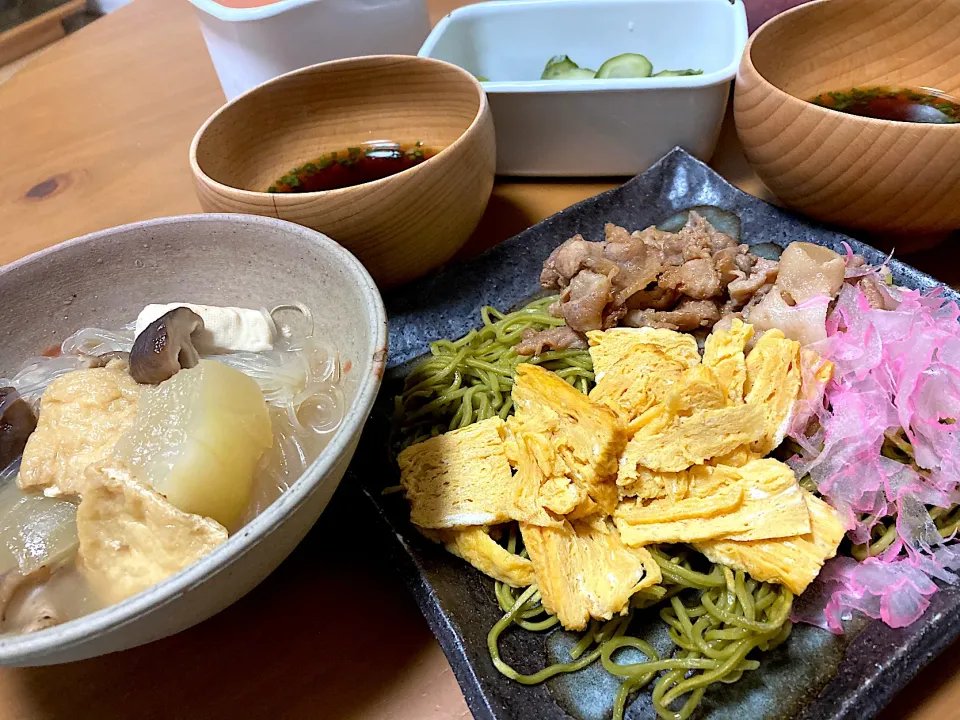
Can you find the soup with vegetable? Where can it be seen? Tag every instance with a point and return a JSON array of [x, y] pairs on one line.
[[129, 454]]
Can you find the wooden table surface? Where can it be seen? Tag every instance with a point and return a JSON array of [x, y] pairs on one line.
[[94, 133]]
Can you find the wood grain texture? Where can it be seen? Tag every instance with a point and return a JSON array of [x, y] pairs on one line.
[[31, 36], [135, 86], [96, 130], [854, 171], [400, 227], [37, 32]]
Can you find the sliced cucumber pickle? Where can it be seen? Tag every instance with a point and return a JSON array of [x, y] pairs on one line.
[[576, 74], [556, 66], [723, 220], [677, 73], [628, 65]]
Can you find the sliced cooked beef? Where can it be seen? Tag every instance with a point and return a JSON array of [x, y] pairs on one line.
[[697, 279], [668, 246], [567, 260], [762, 274], [656, 297], [558, 338], [687, 315], [616, 234], [699, 239], [729, 263], [583, 301], [627, 274], [637, 264], [756, 299]]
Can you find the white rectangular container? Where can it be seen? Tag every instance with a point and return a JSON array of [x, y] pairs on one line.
[[249, 46], [597, 127]]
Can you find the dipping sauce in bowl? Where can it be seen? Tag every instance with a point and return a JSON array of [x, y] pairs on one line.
[[353, 166], [411, 218], [889, 170], [921, 105]]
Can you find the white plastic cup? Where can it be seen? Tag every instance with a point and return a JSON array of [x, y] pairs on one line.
[[249, 46]]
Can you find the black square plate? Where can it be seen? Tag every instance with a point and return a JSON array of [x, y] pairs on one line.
[[813, 675]]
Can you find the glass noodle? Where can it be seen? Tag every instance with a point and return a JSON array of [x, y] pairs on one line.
[[299, 378]]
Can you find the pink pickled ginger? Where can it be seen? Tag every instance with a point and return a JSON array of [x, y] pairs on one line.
[[894, 369]]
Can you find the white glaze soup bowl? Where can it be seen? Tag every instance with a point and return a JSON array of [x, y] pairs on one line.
[[104, 280]]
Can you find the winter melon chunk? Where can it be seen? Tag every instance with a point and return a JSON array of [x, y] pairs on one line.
[[198, 439]]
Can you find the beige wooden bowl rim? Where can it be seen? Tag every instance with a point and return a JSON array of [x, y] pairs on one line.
[[406, 174], [78, 630], [819, 109]]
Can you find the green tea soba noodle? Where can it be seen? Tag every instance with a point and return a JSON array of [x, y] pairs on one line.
[[470, 379], [716, 619], [716, 616]]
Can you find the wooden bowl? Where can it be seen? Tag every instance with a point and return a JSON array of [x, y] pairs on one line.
[[400, 227], [859, 172]]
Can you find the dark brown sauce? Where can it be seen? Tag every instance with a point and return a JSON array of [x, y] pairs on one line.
[[888, 103], [353, 166]]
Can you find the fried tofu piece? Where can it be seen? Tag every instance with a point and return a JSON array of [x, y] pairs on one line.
[[772, 507], [460, 478], [793, 561], [723, 353], [131, 537], [637, 368], [82, 415], [584, 571], [667, 443], [773, 384], [475, 545], [567, 449]]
